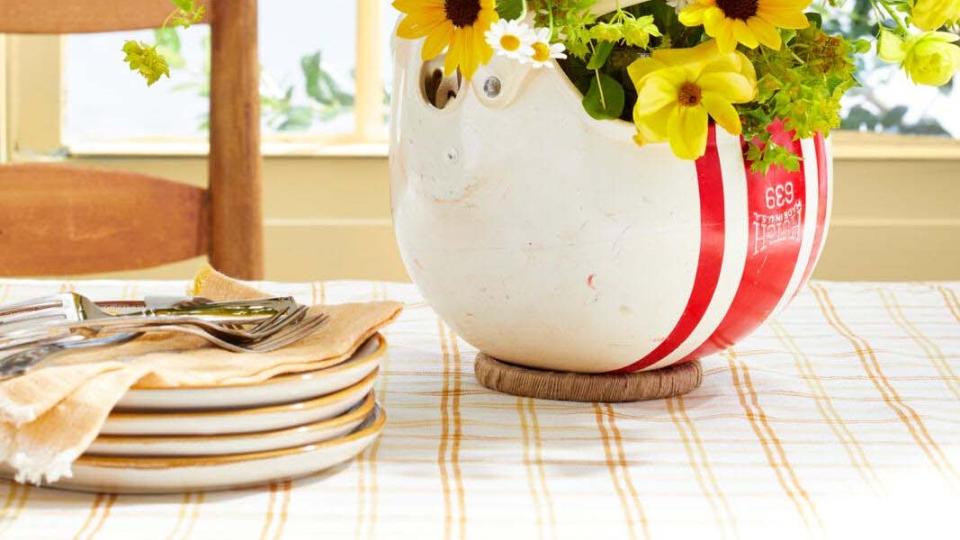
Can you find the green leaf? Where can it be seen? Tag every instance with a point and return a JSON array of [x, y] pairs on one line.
[[145, 60], [600, 55], [169, 46], [183, 5], [605, 98], [511, 9]]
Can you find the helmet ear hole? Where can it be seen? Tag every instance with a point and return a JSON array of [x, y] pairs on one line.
[[439, 90]]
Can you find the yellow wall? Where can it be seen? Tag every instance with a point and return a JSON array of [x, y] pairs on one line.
[[329, 218]]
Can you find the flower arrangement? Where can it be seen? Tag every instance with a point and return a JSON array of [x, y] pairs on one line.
[[672, 66]]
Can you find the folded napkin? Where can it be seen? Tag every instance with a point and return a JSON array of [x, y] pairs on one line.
[[50, 416]]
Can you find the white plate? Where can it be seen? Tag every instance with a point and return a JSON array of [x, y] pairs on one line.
[[283, 389], [180, 474], [213, 445], [235, 421]]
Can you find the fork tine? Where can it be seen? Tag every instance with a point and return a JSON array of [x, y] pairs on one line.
[[292, 316], [33, 304], [293, 335]]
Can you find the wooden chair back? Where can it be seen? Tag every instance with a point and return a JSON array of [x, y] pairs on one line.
[[57, 220]]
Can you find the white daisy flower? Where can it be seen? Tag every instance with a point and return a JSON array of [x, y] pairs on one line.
[[512, 39], [544, 51]]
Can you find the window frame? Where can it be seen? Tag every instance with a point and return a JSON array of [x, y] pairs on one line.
[[36, 62], [31, 87]]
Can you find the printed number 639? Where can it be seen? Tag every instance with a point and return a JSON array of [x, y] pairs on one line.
[[779, 196]]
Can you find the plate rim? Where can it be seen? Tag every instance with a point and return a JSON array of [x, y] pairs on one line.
[[375, 427], [363, 409], [313, 403]]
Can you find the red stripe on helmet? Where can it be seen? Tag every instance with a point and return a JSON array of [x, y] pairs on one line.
[[822, 202], [710, 184], [775, 206]]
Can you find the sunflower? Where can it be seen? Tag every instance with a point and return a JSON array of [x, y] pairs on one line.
[[455, 25], [750, 22]]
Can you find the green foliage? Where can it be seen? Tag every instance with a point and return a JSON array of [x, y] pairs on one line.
[[154, 61], [802, 85], [320, 84], [511, 9], [145, 60], [600, 55], [186, 14], [170, 47], [605, 98], [570, 21]]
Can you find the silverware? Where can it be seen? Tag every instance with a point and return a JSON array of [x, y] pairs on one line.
[[282, 337], [18, 364], [48, 319], [278, 336], [73, 307]]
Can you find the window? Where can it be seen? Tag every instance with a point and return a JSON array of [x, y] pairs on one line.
[[325, 77], [326, 83]]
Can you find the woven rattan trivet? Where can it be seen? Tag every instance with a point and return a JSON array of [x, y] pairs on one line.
[[611, 388]]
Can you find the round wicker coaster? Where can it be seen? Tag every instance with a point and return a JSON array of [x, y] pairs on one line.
[[520, 381]]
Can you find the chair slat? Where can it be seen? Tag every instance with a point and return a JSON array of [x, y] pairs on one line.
[[57, 220], [80, 16]]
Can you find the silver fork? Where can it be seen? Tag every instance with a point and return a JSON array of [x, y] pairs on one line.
[[283, 337], [20, 362]]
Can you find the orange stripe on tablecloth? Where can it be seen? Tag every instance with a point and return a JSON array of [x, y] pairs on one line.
[[612, 468], [284, 509], [541, 472], [268, 519], [532, 484], [950, 298], [99, 512], [624, 467], [94, 509], [12, 489], [445, 436], [370, 454], [361, 492], [868, 359], [772, 449], [318, 293], [181, 515], [457, 432], [104, 514], [858, 457], [193, 511], [930, 349], [683, 424], [708, 467]]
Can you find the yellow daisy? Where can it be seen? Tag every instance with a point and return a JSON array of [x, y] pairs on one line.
[[455, 25], [678, 92], [750, 22]]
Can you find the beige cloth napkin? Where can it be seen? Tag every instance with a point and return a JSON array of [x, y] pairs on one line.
[[49, 416]]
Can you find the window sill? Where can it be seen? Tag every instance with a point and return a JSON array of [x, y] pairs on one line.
[[851, 145], [192, 149], [847, 146]]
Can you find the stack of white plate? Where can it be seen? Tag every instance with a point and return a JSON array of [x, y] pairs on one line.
[[219, 437]]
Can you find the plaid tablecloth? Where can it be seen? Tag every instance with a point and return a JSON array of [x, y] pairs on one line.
[[840, 418]]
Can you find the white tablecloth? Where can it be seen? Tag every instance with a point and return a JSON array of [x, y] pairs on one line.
[[839, 419]]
